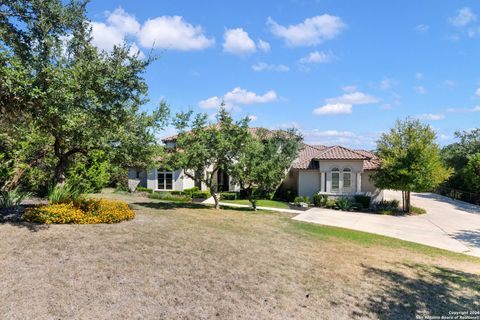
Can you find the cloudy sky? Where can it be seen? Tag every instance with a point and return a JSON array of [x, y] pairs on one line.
[[341, 72]]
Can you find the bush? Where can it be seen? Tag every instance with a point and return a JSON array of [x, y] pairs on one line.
[[167, 196], [228, 196], [89, 173], [417, 210], [331, 203], [345, 204], [285, 195], [363, 201], [320, 200], [298, 200], [177, 193], [11, 199], [190, 191], [143, 189], [386, 205], [85, 211], [201, 195], [63, 193]]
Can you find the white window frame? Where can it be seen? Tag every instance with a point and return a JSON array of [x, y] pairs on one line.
[[333, 171], [346, 171], [164, 173]]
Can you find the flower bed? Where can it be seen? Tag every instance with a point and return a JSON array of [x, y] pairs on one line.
[[85, 211]]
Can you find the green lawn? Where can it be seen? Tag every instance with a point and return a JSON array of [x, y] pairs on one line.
[[262, 203]]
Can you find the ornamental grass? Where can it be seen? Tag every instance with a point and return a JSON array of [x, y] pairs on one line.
[[84, 211]]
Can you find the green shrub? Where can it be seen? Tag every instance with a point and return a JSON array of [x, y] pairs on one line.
[[201, 195], [228, 196], [320, 200], [386, 205], [363, 201], [89, 173], [84, 211], [167, 196], [344, 204], [11, 199], [143, 189], [63, 193], [305, 199], [417, 210], [190, 191], [331, 203], [177, 193]]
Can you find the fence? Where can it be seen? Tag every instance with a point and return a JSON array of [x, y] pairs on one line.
[[471, 197]]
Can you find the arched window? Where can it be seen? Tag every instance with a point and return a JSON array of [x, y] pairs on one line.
[[335, 180], [347, 180]]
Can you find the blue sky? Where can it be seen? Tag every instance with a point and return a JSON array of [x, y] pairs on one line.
[[341, 72]]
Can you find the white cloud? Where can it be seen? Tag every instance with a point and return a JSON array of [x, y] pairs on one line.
[[262, 66], [431, 116], [349, 88], [311, 31], [123, 22], [422, 28], [332, 109], [354, 98], [134, 49], [237, 41], [449, 83], [172, 32], [418, 75], [332, 133], [263, 45], [252, 118], [317, 57], [462, 110], [238, 96], [477, 92], [464, 17], [420, 89], [387, 83]]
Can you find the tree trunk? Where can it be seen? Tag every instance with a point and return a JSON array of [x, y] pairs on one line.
[[215, 198], [60, 172], [403, 201], [407, 202]]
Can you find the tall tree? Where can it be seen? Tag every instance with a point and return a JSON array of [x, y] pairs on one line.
[[410, 160], [471, 172], [456, 155], [265, 158], [80, 99], [202, 149]]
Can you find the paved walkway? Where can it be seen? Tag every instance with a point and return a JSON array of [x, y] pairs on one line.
[[448, 224]]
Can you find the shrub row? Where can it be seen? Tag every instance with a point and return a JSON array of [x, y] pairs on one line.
[[84, 211]]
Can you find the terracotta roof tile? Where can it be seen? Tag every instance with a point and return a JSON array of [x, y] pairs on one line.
[[340, 153]]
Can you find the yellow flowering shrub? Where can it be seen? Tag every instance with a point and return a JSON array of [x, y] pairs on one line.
[[84, 211]]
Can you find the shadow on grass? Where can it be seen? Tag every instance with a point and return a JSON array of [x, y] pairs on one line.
[[13, 217], [427, 291], [186, 205]]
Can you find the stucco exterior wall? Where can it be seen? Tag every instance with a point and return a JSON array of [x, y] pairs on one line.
[[308, 182], [138, 174], [369, 187]]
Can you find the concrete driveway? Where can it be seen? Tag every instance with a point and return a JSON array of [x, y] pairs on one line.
[[448, 224]]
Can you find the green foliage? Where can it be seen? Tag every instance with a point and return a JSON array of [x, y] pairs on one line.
[[167, 196], [205, 146], [143, 189], [471, 172], [72, 97], [89, 174], [177, 193], [410, 159], [456, 155], [12, 198], [363, 201], [299, 200], [320, 200], [228, 196], [64, 193], [331, 203], [345, 204], [190, 191], [417, 210], [386, 205], [201, 194]]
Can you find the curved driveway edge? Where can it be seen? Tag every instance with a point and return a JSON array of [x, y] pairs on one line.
[[448, 224]]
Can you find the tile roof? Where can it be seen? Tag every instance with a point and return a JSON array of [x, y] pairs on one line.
[[309, 154]]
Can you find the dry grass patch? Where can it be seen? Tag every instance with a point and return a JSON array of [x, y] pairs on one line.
[[189, 261]]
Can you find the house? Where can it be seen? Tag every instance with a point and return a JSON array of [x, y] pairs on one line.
[[334, 171]]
